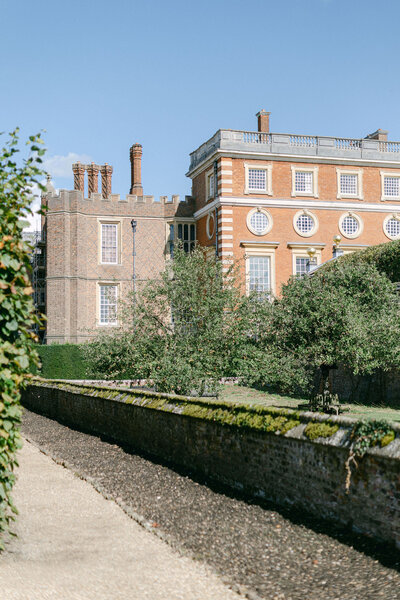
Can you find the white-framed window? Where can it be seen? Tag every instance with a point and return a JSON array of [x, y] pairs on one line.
[[259, 274], [349, 184], [350, 225], [210, 225], [108, 296], [305, 223], [210, 184], [301, 265], [109, 243], [305, 181], [259, 221], [260, 267], [390, 183], [258, 179], [391, 226], [300, 258]]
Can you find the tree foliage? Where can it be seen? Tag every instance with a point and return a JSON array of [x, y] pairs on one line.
[[16, 306], [346, 315], [182, 331]]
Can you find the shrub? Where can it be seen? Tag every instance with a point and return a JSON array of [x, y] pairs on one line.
[[16, 308], [62, 361]]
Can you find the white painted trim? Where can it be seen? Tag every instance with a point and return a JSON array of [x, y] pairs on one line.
[[360, 222], [392, 216], [264, 212], [268, 178], [309, 214], [209, 174], [314, 171], [359, 195], [301, 252], [295, 204], [388, 174], [110, 221], [260, 250], [210, 231]]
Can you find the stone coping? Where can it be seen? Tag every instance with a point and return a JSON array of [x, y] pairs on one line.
[[292, 425]]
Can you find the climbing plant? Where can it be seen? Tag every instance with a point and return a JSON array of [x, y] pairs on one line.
[[17, 315]]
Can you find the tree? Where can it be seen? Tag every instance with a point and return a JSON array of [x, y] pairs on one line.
[[16, 306], [183, 330], [346, 315]]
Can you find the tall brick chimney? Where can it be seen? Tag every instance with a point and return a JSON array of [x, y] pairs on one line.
[[79, 176], [135, 154], [93, 179], [263, 121], [106, 173]]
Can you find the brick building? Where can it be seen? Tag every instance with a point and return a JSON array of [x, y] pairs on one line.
[[88, 243], [262, 198], [266, 198]]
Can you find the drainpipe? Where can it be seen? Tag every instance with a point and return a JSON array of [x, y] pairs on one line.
[[216, 209], [134, 225]]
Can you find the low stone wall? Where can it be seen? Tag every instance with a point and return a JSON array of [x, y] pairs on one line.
[[264, 451]]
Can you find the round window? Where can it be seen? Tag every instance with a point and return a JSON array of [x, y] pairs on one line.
[[259, 221], [210, 225], [392, 227], [305, 224], [350, 225]]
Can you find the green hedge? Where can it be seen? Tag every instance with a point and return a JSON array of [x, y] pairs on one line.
[[385, 257], [62, 361]]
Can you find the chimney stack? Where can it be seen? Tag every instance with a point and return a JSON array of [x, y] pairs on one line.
[[79, 177], [135, 154], [106, 173], [379, 134], [93, 179], [263, 121]]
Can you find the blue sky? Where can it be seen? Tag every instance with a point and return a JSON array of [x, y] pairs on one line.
[[99, 76]]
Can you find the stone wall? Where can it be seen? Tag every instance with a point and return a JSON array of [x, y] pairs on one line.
[[231, 445]]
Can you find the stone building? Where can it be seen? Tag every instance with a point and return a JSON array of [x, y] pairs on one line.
[[267, 198], [98, 246]]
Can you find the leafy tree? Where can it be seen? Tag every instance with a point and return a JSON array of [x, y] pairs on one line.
[[348, 314], [183, 330], [16, 306]]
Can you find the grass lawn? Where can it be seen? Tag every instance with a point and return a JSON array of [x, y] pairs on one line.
[[243, 395]]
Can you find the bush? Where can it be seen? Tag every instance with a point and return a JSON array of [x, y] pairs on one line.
[[17, 315], [62, 361]]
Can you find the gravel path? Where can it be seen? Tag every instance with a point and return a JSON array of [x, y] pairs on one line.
[[274, 555]]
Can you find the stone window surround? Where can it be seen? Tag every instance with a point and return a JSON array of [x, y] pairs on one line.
[[300, 251], [261, 249], [314, 171], [388, 174], [359, 172], [359, 220], [109, 283], [110, 221], [266, 213], [268, 178], [210, 176], [210, 220], [309, 214], [386, 219]]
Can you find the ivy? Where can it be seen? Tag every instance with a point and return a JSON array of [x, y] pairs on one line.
[[17, 314]]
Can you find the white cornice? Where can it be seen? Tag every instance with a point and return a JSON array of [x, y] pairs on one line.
[[297, 204], [295, 158]]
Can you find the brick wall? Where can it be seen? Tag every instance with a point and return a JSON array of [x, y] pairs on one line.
[[288, 469]]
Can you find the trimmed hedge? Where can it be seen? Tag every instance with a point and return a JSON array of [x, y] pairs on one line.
[[385, 257], [62, 361]]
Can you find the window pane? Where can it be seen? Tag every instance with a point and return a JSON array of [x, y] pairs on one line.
[[259, 222], [392, 186], [186, 232], [303, 182], [108, 304], [393, 227], [192, 233], [348, 184], [180, 231], [305, 223], [259, 274], [109, 243], [301, 266], [257, 179], [350, 225]]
